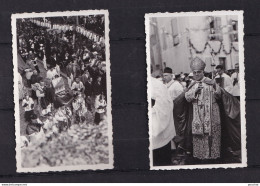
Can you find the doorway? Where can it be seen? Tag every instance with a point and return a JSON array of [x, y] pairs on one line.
[[222, 61]]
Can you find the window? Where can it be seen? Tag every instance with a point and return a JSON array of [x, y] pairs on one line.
[[222, 61], [215, 30], [233, 30]]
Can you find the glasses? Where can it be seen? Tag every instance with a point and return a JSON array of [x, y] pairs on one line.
[[197, 72]]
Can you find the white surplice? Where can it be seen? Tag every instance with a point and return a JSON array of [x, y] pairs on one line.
[[163, 129]]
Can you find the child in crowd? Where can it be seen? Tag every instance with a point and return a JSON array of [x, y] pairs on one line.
[[28, 105], [100, 106]]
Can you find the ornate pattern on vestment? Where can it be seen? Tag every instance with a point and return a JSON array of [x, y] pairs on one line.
[[206, 128]]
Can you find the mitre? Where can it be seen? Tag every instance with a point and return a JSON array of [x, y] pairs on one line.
[[197, 64]]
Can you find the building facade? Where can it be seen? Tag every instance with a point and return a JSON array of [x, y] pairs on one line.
[[175, 41]]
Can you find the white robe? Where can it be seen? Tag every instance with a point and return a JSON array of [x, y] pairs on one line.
[[98, 104], [174, 88], [236, 87], [228, 86], [51, 74], [163, 129]]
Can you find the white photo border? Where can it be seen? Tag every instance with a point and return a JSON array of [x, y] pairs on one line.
[[19, 168], [238, 13]]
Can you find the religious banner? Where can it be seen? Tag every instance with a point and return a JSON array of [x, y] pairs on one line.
[[64, 28], [58, 85]]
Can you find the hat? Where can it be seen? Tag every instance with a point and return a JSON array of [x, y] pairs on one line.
[[167, 70], [219, 67], [197, 64]]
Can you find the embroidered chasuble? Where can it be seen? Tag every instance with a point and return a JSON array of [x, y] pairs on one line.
[[206, 125]]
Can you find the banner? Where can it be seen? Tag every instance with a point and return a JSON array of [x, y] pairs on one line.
[[58, 85], [87, 33]]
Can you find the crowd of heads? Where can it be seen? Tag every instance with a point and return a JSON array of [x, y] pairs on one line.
[[67, 56], [197, 72]]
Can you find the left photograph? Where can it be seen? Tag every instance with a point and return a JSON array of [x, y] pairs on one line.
[[62, 91]]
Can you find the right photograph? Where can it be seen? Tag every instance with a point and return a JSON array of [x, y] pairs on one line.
[[196, 90]]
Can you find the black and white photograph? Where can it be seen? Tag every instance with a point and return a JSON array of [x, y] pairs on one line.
[[62, 91], [196, 90]]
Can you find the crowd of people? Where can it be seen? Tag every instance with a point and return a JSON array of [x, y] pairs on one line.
[[94, 23], [62, 79], [230, 78], [196, 116]]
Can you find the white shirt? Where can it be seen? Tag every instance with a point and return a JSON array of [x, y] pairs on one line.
[[49, 123], [174, 88], [51, 74], [98, 104], [28, 73], [61, 115], [29, 104], [77, 86], [184, 84], [39, 93], [236, 87], [163, 129], [57, 68], [85, 56], [228, 86]]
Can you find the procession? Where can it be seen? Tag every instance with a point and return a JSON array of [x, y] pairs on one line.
[[195, 90], [62, 91]]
